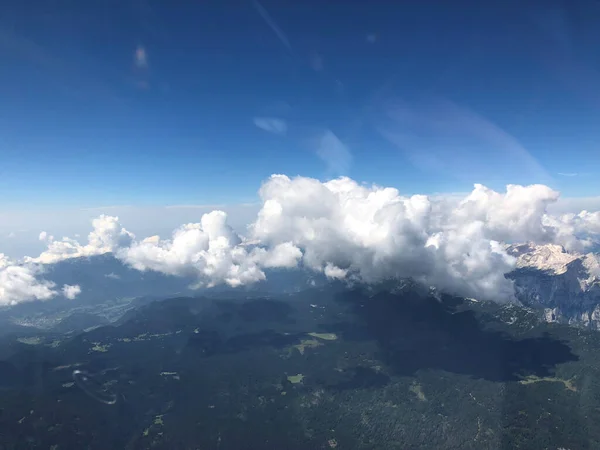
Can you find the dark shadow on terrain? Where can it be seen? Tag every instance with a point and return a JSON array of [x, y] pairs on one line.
[[267, 338], [178, 313], [10, 376], [161, 316], [205, 343], [361, 378], [266, 310], [252, 309], [260, 310], [417, 333], [208, 343]]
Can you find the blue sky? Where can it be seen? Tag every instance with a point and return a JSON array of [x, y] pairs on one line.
[[145, 103]]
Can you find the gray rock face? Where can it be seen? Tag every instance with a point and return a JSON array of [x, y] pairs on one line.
[[564, 286]]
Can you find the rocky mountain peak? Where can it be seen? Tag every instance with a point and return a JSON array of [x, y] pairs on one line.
[[547, 257], [565, 284]]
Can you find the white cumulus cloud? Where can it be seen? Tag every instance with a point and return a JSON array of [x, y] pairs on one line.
[[374, 233], [107, 236], [22, 282], [340, 228], [71, 292], [45, 236], [19, 283], [210, 250]]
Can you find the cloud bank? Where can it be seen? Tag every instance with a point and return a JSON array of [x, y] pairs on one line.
[[211, 250], [342, 229], [107, 236]]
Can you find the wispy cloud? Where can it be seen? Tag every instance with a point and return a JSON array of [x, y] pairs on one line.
[[271, 23], [316, 62], [334, 153], [565, 41], [571, 174], [439, 135], [142, 73], [140, 57], [82, 78], [272, 125]]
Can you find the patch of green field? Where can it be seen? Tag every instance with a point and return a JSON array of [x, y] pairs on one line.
[[416, 389], [34, 340], [295, 379], [534, 379], [306, 343], [98, 347], [324, 336]]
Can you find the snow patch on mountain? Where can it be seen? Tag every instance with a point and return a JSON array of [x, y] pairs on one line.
[[565, 285], [549, 257]]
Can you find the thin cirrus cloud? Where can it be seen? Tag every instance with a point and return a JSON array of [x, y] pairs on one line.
[[316, 62], [572, 174], [140, 57], [564, 37], [334, 153], [273, 25], [272, 125], [141, 74], [440, 136], [77, 80], [340, 228]]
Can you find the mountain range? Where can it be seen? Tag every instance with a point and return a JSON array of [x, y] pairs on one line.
[[301, 362], [560, 286], [564, 285]]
